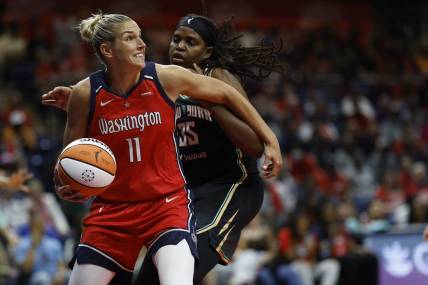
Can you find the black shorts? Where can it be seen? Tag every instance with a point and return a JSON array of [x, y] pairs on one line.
[[224, 209]]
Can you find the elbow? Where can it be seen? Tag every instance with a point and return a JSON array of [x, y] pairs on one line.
[[254, 150], [224, 99], [227, 95], [258, 150]]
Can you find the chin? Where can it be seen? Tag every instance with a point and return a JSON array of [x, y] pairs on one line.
[[139, 65]]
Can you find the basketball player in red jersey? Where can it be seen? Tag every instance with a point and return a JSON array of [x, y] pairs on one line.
[[130, 107]]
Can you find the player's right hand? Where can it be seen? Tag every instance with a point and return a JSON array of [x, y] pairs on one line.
[[65, 191], [58, 97]]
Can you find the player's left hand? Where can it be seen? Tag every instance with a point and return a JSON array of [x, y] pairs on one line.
[[65, 191], [197, 69], [272, 163], [426, 233]]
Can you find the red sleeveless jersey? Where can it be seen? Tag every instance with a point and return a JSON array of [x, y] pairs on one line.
[[139, 129]]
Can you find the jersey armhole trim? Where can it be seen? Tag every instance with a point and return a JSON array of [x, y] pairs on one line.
[[93, 95], [160, 88]]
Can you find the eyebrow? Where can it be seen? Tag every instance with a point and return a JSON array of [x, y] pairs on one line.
[[186, 37], [130, 32]]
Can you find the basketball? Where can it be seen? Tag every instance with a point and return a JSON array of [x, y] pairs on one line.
[[87, 165]]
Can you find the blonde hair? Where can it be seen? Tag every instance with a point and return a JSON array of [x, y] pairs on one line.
[[99, 28]]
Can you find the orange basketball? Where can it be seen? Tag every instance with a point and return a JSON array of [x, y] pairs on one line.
[[87, 165]]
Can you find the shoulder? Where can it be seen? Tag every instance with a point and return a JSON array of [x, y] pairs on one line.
[[229, 78], [82, 88], [170, 70], [80, 97], [173, 77], [223, 74]]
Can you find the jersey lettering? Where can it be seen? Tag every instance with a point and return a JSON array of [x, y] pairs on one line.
[[129, 123], [192, 111]]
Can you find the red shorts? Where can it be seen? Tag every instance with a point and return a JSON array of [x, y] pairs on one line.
[[118, 231]]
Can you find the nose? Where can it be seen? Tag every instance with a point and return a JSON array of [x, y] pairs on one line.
[[141, 43], [180, 45]]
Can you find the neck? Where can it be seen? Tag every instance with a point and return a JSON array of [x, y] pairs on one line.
[[122, 80]]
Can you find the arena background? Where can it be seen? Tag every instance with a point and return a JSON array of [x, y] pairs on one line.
[[350, 112]]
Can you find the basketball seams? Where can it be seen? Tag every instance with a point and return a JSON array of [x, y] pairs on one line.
[[90, 141], [78, 183], [90, 144], [74, 154], [89, 191], [87, 165], [70, 156]]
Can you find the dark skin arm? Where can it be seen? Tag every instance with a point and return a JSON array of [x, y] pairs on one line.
[[239, 133]]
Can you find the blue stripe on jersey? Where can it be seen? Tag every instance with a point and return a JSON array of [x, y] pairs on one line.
[[175, 235], [95, 80], [151, 74], [117, 263], [98, 79], [150, 70]]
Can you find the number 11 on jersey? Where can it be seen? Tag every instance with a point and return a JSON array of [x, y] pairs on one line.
[[134, 149]]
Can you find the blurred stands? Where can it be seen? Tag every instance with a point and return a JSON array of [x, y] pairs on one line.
[[350, 113]]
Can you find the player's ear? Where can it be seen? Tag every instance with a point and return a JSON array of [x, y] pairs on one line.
[[106, 50], [208, 52]]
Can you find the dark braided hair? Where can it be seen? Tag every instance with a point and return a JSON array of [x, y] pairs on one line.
[[256, 62]]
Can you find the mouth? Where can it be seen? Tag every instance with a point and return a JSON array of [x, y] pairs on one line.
[[177, 58], [139, 55]]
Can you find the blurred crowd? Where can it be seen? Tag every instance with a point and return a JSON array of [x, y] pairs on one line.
[[350, 112]]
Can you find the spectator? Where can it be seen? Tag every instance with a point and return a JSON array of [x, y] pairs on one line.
[[40, 257]]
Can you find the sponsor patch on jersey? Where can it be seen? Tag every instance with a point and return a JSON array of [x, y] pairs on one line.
[[105, 103], [148, 93]]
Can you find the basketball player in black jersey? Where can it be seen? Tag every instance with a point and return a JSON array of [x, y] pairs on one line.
[[227, 189], [217, 149]]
